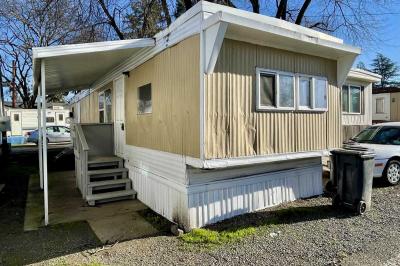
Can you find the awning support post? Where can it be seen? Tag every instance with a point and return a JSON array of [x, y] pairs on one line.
[[39, 103], [44, 142]]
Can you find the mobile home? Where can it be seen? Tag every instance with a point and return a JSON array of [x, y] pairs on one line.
[[223, 113], [386, 105], [24, 120], [357, 107]]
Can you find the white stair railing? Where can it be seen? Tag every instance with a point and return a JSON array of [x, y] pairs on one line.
[[81, 150]]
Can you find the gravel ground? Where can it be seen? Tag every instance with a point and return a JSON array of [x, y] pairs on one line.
[[306, 232]]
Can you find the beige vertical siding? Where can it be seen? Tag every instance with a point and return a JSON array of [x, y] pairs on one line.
[[395, 106], [234, 128], [89, 109], [173, 125]]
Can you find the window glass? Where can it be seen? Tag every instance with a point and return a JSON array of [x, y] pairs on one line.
[[305, 92], [366, 135], [52, 129], [101, 101], [267, 90], [144, 99], [380, 105], [108, 103], [16, 117], [101, 116], [60, 117], [320, 93], [355, 106], [286, 91], [345, 98], [50, 119], [387, 135]]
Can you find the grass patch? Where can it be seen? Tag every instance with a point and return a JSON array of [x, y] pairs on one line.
[[207, 236]]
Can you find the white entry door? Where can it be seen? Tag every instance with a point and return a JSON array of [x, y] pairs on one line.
[[119, 116], [16, 123]]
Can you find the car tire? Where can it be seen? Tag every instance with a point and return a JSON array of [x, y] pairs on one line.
[[392, 172]]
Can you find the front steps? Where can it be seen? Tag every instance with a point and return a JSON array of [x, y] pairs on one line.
[[108, 180]]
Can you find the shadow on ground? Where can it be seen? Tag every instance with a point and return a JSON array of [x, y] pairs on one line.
[[19, 247]]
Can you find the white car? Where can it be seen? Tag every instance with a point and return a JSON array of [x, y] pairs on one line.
[[54, 134], [384, 140]]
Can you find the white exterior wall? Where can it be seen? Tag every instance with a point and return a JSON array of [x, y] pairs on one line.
[[161, 181], [385, 116], [364, 118]]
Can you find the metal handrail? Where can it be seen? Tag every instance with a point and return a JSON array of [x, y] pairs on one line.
[[81, 137]]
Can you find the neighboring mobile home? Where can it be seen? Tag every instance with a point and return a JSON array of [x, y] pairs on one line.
[[386, 104], [357, 107], [224, 112], [24, 120]]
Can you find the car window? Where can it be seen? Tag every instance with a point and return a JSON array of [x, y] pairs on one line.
[[50, 129], [366, 135], [387, 135], [63, 130]]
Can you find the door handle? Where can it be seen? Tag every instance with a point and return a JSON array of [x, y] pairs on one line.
[[122, 126]]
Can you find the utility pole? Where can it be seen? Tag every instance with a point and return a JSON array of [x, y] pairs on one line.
[[1, 93], [13, 89]]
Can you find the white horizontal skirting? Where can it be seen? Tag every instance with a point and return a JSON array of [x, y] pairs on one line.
[[224, 199], [166, 198], [164, 164]]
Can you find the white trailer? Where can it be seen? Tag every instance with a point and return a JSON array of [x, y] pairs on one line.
[[25, 120]]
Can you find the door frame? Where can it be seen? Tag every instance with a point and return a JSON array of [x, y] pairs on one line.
[[122, 78], [12, 122]]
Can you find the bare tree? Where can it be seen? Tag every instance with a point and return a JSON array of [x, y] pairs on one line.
[[36, 23]]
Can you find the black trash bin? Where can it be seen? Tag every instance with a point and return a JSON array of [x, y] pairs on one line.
[[352, 174]]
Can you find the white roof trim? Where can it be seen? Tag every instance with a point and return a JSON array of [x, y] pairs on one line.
[[83, 48], [365, 75], [279, 27]]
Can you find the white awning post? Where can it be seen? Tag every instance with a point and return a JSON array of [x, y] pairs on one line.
[[44, 142], [39, 100]]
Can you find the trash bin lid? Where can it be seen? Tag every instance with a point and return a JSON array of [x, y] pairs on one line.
[[362, 152]]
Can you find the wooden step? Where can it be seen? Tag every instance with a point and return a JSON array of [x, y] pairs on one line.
[[107, 172], [101, 161], [110, 196], [113, 182]]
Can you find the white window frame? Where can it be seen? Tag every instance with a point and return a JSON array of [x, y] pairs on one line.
[[275, 73], [104, 109], [347, 112], [383, 105], [312, 108]]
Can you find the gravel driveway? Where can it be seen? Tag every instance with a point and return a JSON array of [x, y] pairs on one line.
[[306, 232]]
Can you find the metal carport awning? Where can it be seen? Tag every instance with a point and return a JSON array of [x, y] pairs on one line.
[[74, 67]]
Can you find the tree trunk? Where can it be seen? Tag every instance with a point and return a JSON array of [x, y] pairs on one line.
[[111, 20], [166, 12], [256, 6], [303, 9], [188, 4], [281, 12]]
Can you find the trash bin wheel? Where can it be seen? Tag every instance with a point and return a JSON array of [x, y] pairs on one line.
[[336, 202], [361, 207]]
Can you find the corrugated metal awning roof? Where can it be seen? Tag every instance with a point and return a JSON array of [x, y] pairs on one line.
[[78, 66]]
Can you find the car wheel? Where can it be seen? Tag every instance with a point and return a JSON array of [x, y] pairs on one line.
[[392, 172]]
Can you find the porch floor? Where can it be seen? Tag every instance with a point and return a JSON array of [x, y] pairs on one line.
[[114, 221]]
